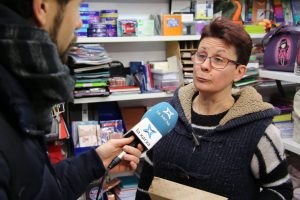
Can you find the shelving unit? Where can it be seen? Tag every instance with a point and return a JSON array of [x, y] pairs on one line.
[[289, 144], [156, 38], [139, 40], [282, 76], [127, 97]]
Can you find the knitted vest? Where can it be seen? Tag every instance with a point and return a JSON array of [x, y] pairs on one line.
[[221, 164]]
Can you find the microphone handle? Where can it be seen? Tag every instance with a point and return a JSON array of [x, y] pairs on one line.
[[118, 158]]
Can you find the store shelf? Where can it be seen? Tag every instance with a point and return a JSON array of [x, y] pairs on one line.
[[257, 36], [127, 97], [291, 145], [156, 38], [136, 39], [277, 75]]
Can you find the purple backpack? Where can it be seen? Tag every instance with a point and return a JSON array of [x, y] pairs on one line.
[[282, 49]]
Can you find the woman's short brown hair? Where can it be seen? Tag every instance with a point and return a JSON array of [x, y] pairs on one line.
[[232, 34]]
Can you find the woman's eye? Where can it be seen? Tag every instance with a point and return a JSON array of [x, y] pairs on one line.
[[201, 56], [218, 59]]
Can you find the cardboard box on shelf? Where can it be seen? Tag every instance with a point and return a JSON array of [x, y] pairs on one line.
[[160, 190]]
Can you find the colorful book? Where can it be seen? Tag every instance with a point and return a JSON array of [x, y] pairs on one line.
[[96, 84], [124, 88], [283, 117], [171, 25]]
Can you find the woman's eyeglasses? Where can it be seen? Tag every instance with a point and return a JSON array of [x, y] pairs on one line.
[[216, 62]]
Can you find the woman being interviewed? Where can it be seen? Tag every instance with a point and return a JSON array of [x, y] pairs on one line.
[[223, 142]]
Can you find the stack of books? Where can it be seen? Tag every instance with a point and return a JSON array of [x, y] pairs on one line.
[[90, 64], [284, 121], [251, 76], [127, 188], [128, 89]]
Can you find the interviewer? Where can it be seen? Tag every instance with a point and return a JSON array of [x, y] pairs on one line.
[[35, 36]]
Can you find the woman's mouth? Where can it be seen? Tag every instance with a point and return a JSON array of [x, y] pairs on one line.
[[201, 79]]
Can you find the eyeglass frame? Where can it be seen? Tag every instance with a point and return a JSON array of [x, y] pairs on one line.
[[209, 57]]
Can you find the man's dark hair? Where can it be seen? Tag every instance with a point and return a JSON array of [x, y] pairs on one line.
[[232, 34], [24, 7]]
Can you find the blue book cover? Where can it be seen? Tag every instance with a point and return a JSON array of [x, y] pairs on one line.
[[128, 182]]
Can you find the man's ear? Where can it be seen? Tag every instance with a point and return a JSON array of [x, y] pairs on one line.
[[240, 71], [40, 11]]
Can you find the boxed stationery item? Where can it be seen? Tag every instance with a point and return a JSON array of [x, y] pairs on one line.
[[171, 25], [160, 190], [145, 27], [127, 27], [166, 85], [90, 134], [204, 9], [87, 135], [84, 135]]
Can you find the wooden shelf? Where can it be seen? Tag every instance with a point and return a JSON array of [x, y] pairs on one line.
[[277, 75], [291, 145], [127, 97]]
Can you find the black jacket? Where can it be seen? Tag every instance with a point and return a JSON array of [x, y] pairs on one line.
[[32, 79], [66, 180]]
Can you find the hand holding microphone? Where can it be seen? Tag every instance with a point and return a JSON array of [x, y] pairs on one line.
[[156, 122], [112, 148]]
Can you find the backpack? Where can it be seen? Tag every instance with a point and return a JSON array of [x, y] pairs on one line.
[[282, 49]]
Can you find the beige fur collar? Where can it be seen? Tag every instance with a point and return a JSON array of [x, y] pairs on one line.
[[249, 101]]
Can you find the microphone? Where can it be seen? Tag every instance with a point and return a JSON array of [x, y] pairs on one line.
[[156, 123]]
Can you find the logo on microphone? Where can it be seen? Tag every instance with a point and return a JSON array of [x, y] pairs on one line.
[[168, 112], [150, 131], [147, 133]]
